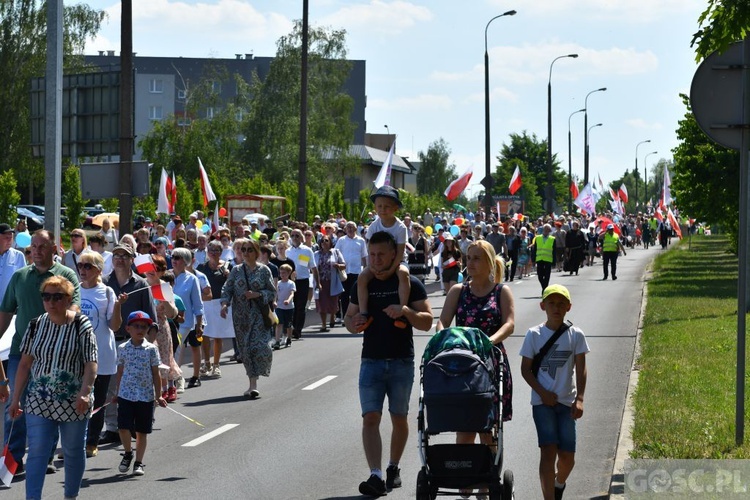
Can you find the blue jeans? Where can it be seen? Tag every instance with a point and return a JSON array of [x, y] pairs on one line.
[[42, 435], [17, 442], [379, 378]]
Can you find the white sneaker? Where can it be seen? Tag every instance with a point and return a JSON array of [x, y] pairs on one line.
[[215, 371], [205, 369], [180, 385]]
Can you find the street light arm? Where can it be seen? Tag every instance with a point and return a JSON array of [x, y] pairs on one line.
[[508, 13]]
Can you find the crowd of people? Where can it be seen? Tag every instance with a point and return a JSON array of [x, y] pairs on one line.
[[252, 284]]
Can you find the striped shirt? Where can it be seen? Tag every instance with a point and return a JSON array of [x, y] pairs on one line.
[[60, 353]]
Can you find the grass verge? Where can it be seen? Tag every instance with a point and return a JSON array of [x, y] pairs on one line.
[[685, 400]]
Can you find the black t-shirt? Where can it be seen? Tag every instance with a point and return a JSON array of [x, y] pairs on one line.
[[278, 263], [383, 340], [216, 278]]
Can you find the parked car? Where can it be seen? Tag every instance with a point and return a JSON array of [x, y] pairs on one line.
[[33, 221]]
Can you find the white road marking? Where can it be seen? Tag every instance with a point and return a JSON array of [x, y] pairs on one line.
[[211, 435], [319, 383]]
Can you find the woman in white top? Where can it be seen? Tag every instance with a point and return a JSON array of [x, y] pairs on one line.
[[99, 304], [110, 235]]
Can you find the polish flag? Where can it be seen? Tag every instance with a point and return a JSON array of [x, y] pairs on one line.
[[172, 193], [623, 193], [144, 264], [165, 190], [673, 222], [574, 190], [208, 193], [163, 292], [615, 196], [8, 467], [515, 181], [458, 186]]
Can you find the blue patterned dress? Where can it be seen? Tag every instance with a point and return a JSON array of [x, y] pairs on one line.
[[484, 313]]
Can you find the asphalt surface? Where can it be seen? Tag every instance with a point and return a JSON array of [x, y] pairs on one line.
[[302, 438]]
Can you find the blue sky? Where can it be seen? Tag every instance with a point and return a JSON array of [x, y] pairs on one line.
[[425, 72]]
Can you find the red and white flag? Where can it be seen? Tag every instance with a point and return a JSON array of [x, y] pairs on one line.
[[165, 191], [574, 190], [144, 264], [172, 193], [585, 200], [458, 186], [515, 181], [208, 193], [623, 193], [8, 467], [162, 291], [673, 222], [384, 176], [615, 196]]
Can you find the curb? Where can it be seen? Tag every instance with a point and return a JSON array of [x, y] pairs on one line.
[[625, 441]]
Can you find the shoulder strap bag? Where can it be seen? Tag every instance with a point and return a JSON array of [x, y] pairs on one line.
[[536, 363]]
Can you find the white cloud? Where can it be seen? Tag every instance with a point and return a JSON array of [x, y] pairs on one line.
[[422, 102], [499, 94], [379, 17], [641, 124], [635, 11]]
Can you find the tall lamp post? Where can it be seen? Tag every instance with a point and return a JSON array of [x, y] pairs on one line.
[[586, 135], [636, 168], [550, 190], [645, 174], [487, 181], [570, 162], [588, 131]]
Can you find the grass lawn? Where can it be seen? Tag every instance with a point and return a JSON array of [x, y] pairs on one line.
[[685, 400]]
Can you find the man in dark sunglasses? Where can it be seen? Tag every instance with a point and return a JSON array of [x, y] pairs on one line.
[[23, 299]]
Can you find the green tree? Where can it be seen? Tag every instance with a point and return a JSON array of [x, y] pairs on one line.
[[23, 28], [722, 23], [9, 195], [72, 197], [704, 179], [435, 173], [272, 131]]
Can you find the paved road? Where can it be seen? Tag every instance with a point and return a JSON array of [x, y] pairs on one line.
[[299, 442]]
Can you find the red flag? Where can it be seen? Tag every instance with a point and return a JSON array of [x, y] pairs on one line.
[[172, 186], [614, 195], [144, 264], [162, 291], [8, 467], [208, 193], [515, 181], [574, 190], [623, 193], [457, 187]]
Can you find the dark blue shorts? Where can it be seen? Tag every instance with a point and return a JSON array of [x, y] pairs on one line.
[[379, 378], [135, 415], [286, 316]]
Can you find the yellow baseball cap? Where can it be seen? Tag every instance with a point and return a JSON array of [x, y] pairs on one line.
[[558, 289]]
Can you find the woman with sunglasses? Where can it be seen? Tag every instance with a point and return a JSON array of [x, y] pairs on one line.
[[78, 246], [102, 308], [57, 368], [247, 288], [329, 261], [188, 288]]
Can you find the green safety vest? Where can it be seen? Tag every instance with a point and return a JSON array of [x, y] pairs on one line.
[[610, 242], [545, 248]]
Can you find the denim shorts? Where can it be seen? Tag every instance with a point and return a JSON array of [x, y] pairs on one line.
[[555, 425], [379, 378]]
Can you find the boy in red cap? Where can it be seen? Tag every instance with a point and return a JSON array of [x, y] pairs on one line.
[[138, 385]]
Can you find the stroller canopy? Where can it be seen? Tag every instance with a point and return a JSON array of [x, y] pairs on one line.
[[472, 339]]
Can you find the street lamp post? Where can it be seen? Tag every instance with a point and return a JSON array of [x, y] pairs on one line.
[[588, 131], [487, 181], [586, 135], [645, 174], [636, 168], [388, 131], [550, 194], [570, 162]]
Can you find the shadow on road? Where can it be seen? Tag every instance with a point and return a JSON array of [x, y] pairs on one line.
[[225, 399]]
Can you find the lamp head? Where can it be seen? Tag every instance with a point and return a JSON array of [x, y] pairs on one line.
[[573, 55], [510, 13]]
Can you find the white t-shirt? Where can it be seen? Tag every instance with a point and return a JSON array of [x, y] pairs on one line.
[[285, 290], [353, 250], [397, 230], [98, 304], [304, 260], [556, 372]]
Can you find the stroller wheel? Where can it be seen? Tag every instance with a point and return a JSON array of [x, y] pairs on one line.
[[423, 486], [508, 487]]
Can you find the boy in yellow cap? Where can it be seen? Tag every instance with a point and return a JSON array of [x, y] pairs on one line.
[[554, 365]]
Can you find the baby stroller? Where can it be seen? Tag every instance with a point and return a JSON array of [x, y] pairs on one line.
[[461, 391]]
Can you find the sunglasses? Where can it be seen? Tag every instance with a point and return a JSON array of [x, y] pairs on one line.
[[247, 250], [28, 252], [176, 257], [215, 250], [54, 297], [86, 266], [74, 235], [121, 256], [296, 236]]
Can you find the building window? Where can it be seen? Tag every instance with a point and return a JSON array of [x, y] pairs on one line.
[[216, 87], [183, 122], [209, 113], [239, 115], [182, 94], [154, 113], [156, 86]]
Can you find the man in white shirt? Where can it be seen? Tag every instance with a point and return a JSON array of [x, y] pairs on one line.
[[304, 262], [11, 259], [354, 249]]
